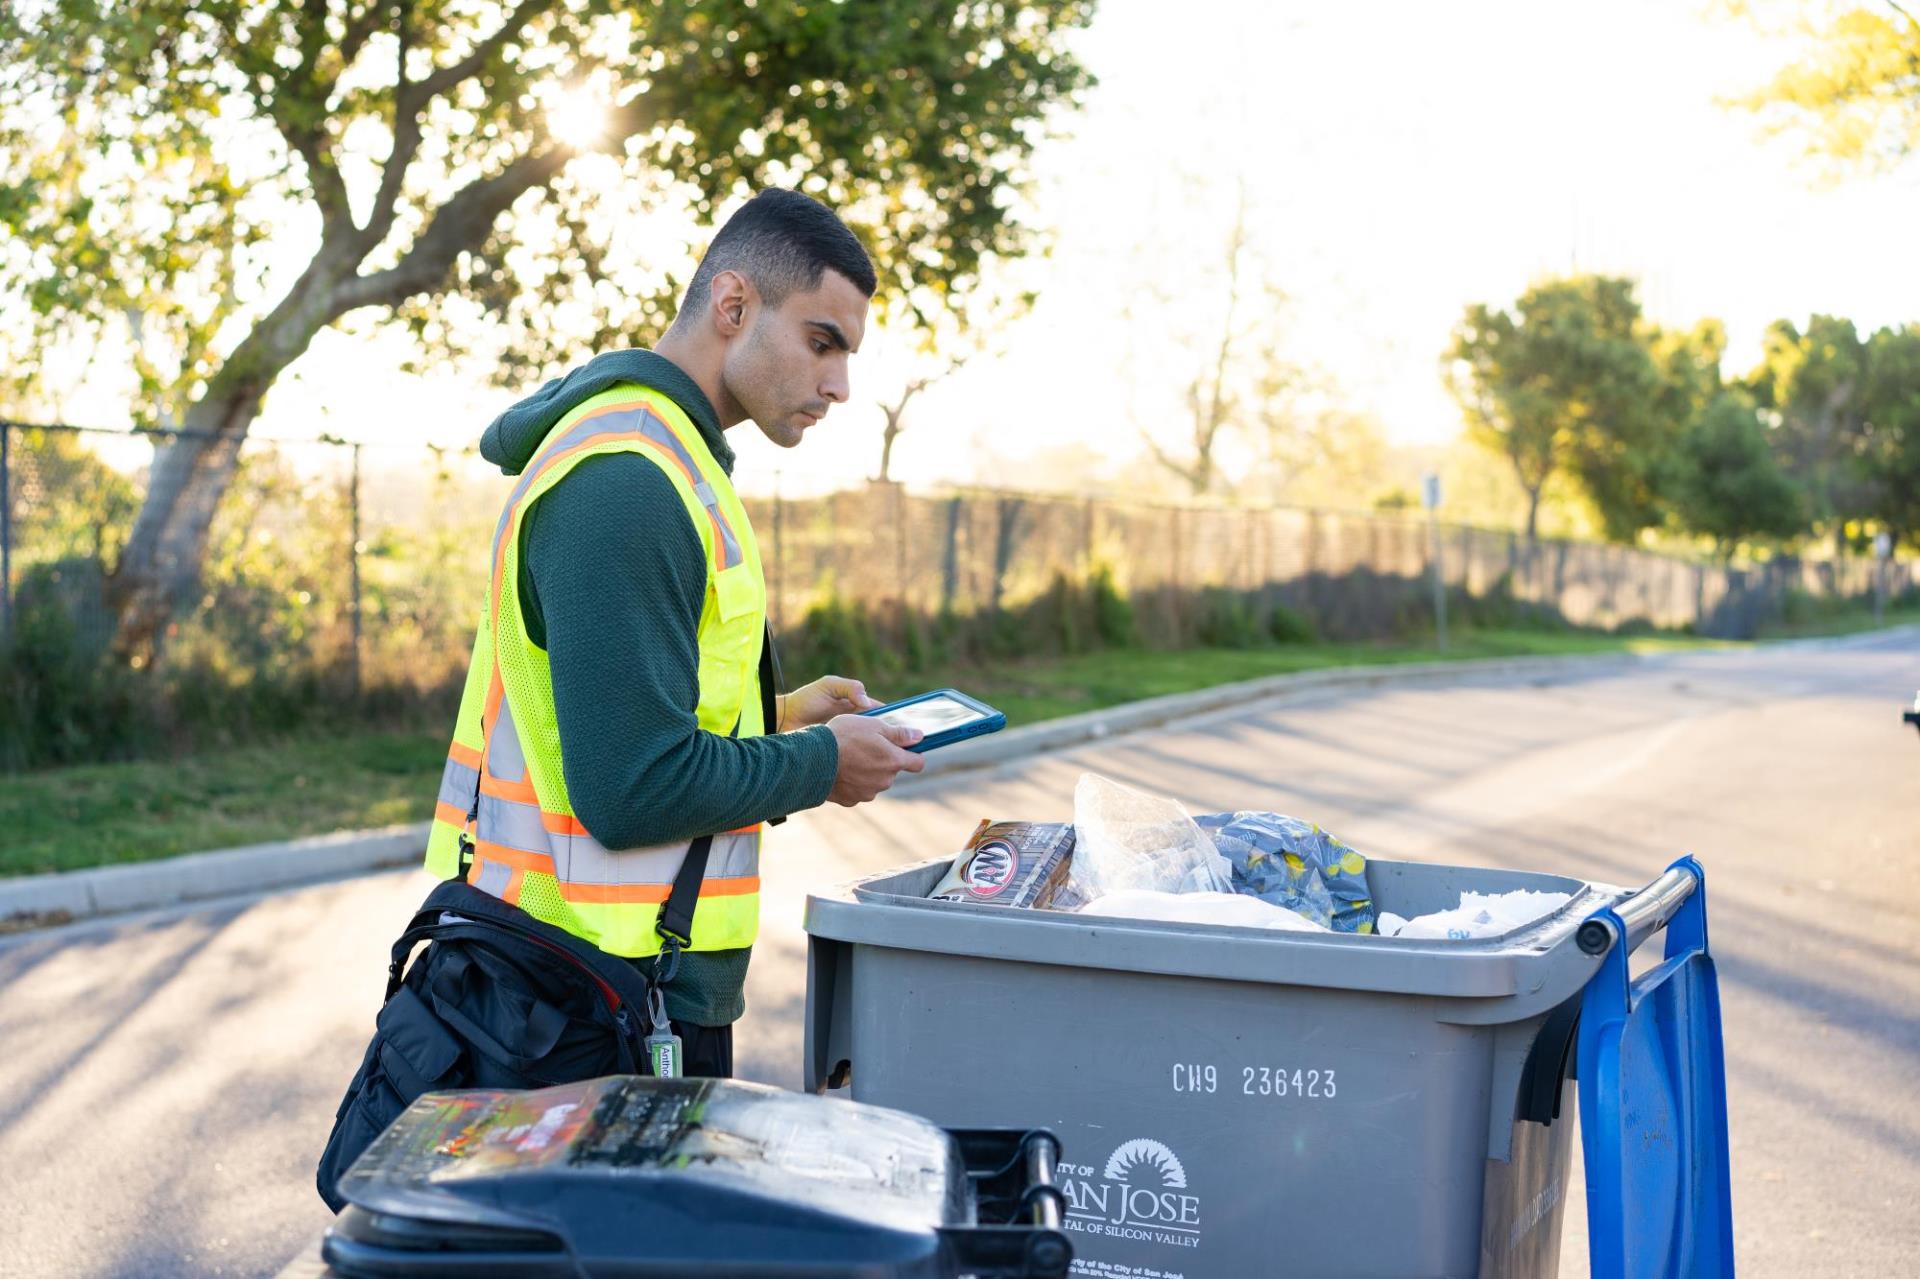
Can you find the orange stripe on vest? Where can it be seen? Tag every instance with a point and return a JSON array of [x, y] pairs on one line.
[[513, 857]]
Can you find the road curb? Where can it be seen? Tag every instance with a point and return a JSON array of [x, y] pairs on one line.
[[72, 895], [1152, 712], [170, 881]]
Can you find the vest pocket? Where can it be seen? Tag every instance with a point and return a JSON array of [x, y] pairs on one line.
[[736, 592]]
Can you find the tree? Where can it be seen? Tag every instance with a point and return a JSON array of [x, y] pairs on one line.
[[1567, 383], [1889, 440], [947, 332], [1854, 98], [1809, 383], [1727, 484], [1240, 377], [1320, 453], [222, 181]]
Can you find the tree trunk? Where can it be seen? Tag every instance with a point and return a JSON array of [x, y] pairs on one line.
[[1201, 476], [887, 437], [159, 570], [160, 567], [1533, 515]]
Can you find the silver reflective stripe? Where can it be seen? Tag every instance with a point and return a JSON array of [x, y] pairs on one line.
[[505, 759], [734, 856], [579, 432], [732, 551], [458, 785], [502, 821], [731, 857], [590, 862], [660, 433], [642, 421], [493, 878]]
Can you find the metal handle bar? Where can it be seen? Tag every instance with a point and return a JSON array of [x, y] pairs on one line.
[[1643, 914], [1041, 1196]]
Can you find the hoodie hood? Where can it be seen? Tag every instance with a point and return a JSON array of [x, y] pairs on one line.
[[511, 440]]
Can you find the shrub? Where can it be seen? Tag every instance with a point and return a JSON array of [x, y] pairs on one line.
[[833, 636], [1112, 614], [1052, 624], [1225, 619], [1290, 626], [63, 697]]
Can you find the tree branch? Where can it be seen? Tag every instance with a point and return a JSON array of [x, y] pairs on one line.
[[296, 103], [1188, 473], [357, 29], [461, 223], [406, 143], [329, 189], [448, 77], [410, 99]]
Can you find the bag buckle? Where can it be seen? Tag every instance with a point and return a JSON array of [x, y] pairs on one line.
[[671, 944]]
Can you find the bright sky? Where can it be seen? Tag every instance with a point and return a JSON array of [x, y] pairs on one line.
[[1401, 159]]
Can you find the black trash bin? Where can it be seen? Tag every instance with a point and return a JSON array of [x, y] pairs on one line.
[[638, 1178]]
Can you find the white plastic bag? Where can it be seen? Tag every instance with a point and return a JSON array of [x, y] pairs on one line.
[[1125, 839], [1233, 909], [1477, 915]]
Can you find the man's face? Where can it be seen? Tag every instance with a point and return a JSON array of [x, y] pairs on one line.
[[791, 362]]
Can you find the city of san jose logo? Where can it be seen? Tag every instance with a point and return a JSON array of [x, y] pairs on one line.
[[1140, 1193], [1148, 1160], [991, 867]]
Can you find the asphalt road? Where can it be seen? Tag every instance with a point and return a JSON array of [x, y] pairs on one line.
[[166, 1081]]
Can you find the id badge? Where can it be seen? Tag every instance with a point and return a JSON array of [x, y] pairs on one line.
[[663, 1053], [663, 1046]]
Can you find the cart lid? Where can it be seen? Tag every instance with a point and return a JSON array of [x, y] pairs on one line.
[[630, 1176]]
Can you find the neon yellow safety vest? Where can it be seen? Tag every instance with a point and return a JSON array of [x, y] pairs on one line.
[[504, 766]]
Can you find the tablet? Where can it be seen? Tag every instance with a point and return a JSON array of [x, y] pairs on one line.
[[944, 715]]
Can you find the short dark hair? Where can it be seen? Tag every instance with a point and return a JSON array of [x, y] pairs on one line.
[[784, 242]]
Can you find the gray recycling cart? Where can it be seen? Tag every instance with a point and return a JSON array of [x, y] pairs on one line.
[[1236, 1102]]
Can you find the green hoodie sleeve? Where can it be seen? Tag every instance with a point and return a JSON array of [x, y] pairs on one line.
[[612, 580]]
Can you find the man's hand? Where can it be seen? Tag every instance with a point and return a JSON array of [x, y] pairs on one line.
[[821, 700], [872, 754]]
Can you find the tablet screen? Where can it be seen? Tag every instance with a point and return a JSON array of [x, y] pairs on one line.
[[935, 715]]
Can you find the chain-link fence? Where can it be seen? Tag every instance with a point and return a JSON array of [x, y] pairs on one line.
[[338, 573], [1355, 575], [352, 560]]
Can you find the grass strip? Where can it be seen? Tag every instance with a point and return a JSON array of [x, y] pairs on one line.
[[99, 814]]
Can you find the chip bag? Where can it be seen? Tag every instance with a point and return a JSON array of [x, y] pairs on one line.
[[1295, 864]]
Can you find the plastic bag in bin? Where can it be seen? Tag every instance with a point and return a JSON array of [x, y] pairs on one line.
[[1126, 839], [1295, 864]]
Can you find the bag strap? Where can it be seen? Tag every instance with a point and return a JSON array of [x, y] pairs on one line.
[[624, 1029], [675, 924], [771, 684], [479, 909]]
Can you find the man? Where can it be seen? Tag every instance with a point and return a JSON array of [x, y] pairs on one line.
[[613, 758]]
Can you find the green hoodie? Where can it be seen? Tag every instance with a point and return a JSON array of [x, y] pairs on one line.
[[612, 579]]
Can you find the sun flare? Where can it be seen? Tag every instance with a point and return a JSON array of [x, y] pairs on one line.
[[578, 117]]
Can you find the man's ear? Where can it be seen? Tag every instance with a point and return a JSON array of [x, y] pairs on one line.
[[731, 294]]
